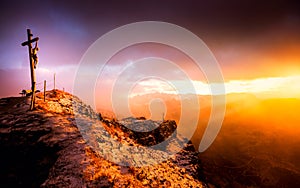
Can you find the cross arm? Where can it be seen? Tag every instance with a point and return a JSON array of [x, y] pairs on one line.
[[30, 41]]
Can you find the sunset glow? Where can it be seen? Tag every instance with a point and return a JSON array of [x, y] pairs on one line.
[[149, 93], [272, 87]]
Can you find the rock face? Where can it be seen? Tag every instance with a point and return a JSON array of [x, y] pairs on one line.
[[47, 147], [147, 132]]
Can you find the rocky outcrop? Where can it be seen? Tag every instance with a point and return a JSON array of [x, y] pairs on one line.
[[147, 132], [47, 148]]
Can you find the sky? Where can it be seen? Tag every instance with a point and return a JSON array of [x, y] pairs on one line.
[[257, 44]]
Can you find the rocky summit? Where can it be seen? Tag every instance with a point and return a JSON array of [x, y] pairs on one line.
[[64, 143]]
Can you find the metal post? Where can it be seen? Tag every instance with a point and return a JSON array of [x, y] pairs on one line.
[[54, 81], [44, 90]]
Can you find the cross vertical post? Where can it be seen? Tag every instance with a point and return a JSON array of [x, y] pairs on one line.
[[32, 73]]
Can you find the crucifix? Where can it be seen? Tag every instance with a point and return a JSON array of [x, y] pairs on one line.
[[33, 60]]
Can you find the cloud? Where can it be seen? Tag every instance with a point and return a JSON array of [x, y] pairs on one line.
[[265, 87]]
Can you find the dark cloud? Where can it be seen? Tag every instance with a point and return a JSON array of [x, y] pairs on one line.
[[230, 16]]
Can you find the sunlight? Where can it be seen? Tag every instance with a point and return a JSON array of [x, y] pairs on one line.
[[273, 86]]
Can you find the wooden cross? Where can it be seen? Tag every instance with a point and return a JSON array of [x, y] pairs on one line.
[[32, 64]]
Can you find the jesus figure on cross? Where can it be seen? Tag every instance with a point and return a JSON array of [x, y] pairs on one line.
[[34, 55]]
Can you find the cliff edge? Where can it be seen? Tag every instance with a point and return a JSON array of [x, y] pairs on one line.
[[46, 148]]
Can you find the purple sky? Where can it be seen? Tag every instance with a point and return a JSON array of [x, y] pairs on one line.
[[248, 36]]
